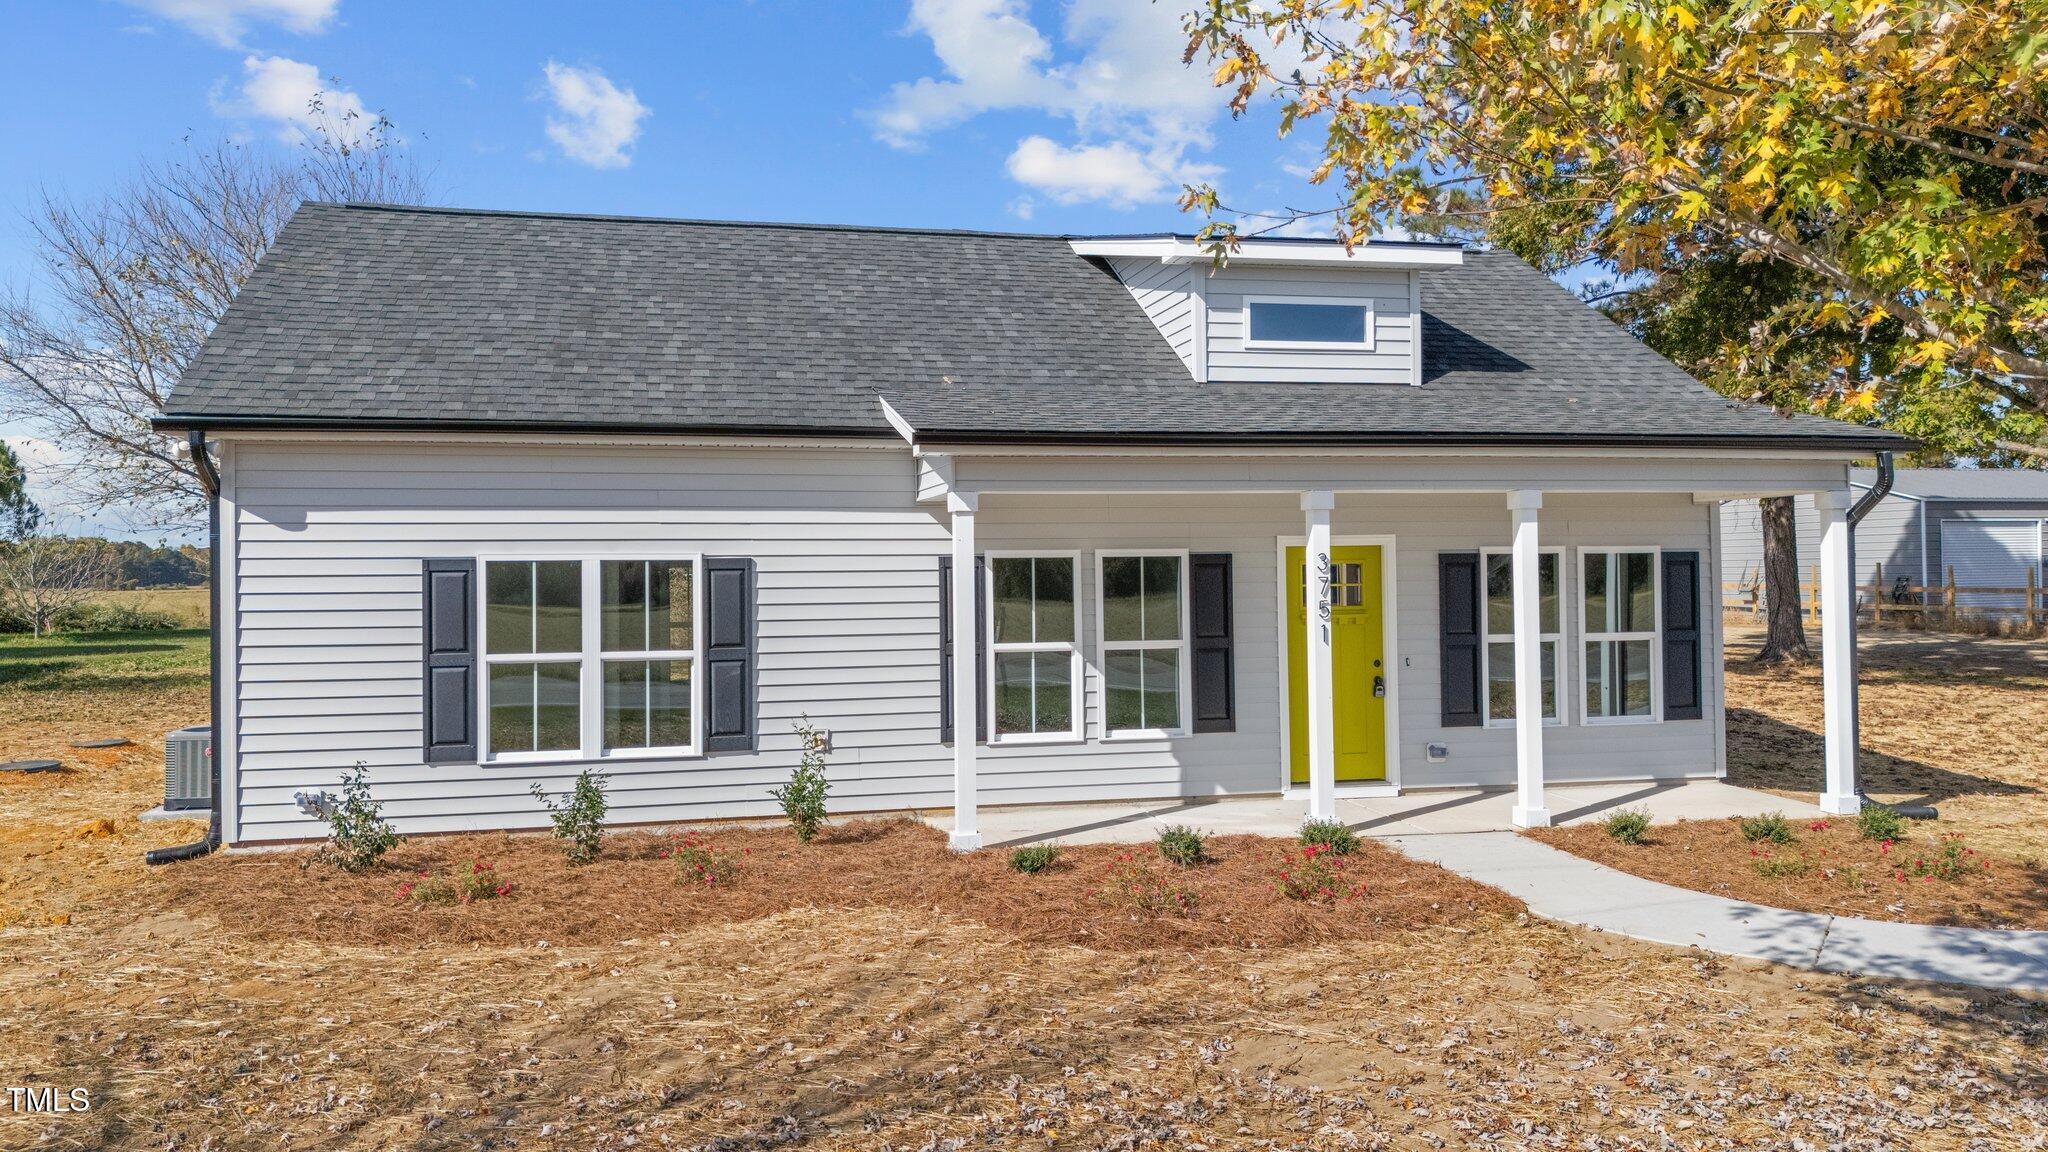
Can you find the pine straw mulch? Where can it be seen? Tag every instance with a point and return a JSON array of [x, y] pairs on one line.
[[893, 1028], [1837, 871], [1948, 720], [882, 863]]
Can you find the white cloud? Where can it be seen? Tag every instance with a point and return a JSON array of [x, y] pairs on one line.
[[226, 21], [598, 121], [1115, 173], [1137, 112], [285, 92]]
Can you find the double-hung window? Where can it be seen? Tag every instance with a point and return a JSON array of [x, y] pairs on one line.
[[1034, 661], [1144, 631], [590, 658], [1498, 622], [1618, 613]]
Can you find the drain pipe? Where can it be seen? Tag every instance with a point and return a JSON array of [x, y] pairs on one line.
[[1881, 488], [210, 481]]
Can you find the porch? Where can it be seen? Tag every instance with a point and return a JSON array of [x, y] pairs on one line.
[[1418, 813], [1503, 664]]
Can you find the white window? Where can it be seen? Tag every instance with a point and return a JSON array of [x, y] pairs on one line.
[[1143, 610], [1620, 675], [1034, 661], [1328, 323], [590, 658], [1498, 625]]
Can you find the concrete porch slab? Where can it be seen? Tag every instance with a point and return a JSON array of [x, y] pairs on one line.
[[1410, 814]]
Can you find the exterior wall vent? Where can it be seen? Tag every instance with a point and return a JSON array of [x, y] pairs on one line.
[[188, 776]]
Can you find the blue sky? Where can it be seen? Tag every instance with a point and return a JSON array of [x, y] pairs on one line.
[[1069, 116]]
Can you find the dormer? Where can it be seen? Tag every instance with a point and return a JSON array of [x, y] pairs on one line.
[[1283, 311]]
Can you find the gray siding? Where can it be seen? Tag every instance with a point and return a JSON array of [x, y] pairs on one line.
[[1889, 535], [1389, 362], [327, 541], [1165, 292]]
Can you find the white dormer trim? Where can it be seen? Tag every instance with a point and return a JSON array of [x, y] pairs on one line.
[[1371, 254], [1198, 320], [1415, 329]]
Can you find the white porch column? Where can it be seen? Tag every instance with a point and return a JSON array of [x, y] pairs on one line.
[[1322, 725], [1529, 810], [967, 702], [1838, 653]]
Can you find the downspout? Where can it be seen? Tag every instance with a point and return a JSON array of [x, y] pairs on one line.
[[1879, 489], [210, 481]]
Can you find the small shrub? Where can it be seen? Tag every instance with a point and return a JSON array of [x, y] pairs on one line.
[[579, 818], [1318, 874], [480, 882], [1781, 867], [1131, 883], [1181, 845], [697, 862], [115, 618], [803, 798], [1949, 861], [1877, 822], [1770, 828], [357, 836], [1034, 858], [1628, 825], [1331, 834]]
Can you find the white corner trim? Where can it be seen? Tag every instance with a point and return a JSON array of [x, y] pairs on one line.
[[1198, 304], [1415, 329]]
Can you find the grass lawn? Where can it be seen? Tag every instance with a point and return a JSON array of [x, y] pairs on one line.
[[191, 606], [871, 990]]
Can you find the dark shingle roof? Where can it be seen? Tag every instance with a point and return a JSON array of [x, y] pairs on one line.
[[372, 316]]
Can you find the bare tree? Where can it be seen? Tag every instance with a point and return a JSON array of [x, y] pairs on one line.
[[43, 577], [132, 282]]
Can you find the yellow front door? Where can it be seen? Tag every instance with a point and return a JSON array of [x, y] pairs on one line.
[[1357, 655]]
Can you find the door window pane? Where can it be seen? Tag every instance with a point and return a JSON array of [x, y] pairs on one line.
[[536, 707], [646, 704], [647, 605]]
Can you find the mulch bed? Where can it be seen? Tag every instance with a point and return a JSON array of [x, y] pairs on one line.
[[1828, 868], [633, 892]]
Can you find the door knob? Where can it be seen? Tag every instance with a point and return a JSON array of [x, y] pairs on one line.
[[1379, 687]]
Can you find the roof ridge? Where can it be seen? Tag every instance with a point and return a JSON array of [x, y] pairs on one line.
[[701, 222]]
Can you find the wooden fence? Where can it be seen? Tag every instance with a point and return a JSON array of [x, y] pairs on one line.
[[1933, 604]]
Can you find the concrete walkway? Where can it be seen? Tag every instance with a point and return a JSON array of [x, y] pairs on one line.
[[1560, 886]]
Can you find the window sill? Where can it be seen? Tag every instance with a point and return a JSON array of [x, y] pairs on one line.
[[1509, 725], [577, 759], [1620, 721], [1038, 739], [1134, 736]]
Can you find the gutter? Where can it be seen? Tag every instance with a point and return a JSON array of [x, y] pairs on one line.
[[209, 479]]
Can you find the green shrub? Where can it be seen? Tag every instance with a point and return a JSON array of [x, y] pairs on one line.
[[1331, 834], [480, 882], [803, 798], [1034, 858], [1769, 828], [1131, 884], [1877, 822], [1181, 845], [357, 835], [1628, 825], [1951, 860], [1781, 867], [579, 818], [1318, 874], [116, 618]]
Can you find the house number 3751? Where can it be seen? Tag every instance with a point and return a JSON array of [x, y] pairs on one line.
[[1323, 594]]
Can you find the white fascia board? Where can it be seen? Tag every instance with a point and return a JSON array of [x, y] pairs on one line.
[[1369, 254]]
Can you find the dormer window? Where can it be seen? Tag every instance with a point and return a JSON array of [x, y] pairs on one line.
[[1309, 322]]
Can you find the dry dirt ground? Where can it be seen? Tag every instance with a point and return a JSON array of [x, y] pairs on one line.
[[207, 1024], [1952, 721]]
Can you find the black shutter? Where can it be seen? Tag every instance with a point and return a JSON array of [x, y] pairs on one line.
[[1684, 698], [1459, 594], [1209, 610], [448, 661], [946, 646], [729, 654]]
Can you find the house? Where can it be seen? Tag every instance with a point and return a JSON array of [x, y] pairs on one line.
[[1984, 524], [1015, 519]]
